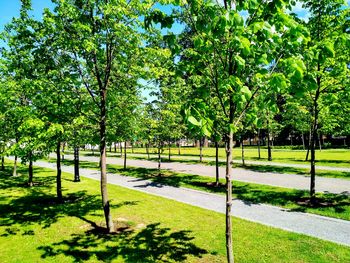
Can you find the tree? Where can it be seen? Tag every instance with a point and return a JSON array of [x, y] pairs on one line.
[[239, 59], [105, 41], [327, 68]]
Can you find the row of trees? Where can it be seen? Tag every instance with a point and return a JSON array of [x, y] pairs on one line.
[[76, 77]]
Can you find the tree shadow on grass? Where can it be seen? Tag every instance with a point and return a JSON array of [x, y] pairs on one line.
[[21, 180], [151, 243], [299, 199], [40, 208], [251, 194]]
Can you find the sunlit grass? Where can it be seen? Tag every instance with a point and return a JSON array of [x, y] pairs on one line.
[[34, 228]]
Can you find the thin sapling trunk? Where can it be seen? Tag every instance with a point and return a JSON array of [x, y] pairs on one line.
[[76, 164], [216, 163], [59, 173]]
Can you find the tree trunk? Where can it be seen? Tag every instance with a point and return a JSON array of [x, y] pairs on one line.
[[30, 170], [200, 150], [15, 166], [259, 156], [312, 163], [76, 164], [159, 158], [229, 148], [104, 193], [2, 163], [216, 163], [121, 149], [169, 150], [125, 155], [313, 141], [179, 149], [309, 146], [115, 147], [242, 144], [59, 172], [269, 155], [63, 146], [303, 140], [319, 142], [147, 150]]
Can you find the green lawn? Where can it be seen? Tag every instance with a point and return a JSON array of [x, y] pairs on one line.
[[34, 228], [326, 157], [258, 168], [331, 205]]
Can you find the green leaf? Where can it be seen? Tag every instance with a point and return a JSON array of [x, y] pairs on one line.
[[246, 92], [193, 121]]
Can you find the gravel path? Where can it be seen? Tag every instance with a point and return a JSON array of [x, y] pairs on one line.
[[330, 229], [294, 181]]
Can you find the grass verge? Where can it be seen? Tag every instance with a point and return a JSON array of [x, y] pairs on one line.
[[34, 228], [331, 205]]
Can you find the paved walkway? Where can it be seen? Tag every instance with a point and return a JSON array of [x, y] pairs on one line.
[[267, 163], [294, 181], [330, 229]]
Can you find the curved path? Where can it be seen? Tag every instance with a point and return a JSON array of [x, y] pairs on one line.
[[330, 229], [294, 181]]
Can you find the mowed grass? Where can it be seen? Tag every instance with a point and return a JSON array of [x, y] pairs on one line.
[[331, 205], [35, 228], [255, 167], [326, 157]]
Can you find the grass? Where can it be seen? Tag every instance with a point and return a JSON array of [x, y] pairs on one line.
[[258, 168], [327, 157], [331, 205], [34, 228]]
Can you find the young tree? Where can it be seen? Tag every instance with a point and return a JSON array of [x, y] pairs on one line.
[[239, 58], [327, 67]]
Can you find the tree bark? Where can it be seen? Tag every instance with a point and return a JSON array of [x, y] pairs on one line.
[[15, 166], [115, 147], [217, 163], [303, 140], [313, 141], [200, 150], [30, 170], [259, 156], [59, 172], [159, 158], [229, 148], [63, 146], [309, 146], [125, 155], [169, 150], [2, 163], [121, 149], [76, 164], [242, 144], [104, 193], [269, 155], [147, 150]]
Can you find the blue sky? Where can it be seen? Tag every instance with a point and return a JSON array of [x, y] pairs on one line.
[[10, 8]]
